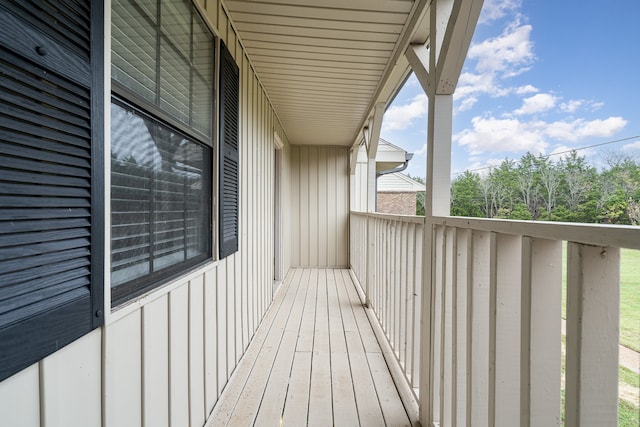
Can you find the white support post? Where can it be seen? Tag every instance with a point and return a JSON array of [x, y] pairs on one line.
[[593, 304], [373, 134], [449, 38], [437, 197]]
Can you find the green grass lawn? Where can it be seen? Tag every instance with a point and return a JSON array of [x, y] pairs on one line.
[[630, 299], [629, 296], [628, 412]]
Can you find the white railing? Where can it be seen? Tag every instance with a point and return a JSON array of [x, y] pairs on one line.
[[386, 257], [494, 356], [496, 299]]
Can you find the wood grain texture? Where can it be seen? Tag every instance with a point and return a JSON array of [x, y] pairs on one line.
[[331, 378]]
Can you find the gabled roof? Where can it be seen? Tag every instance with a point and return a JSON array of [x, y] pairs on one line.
[[399, 182], [388, 156]]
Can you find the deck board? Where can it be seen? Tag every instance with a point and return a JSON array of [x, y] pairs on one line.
[[314, 361]]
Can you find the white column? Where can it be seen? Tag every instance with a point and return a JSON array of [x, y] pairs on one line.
[[451, 26], [437, 198]]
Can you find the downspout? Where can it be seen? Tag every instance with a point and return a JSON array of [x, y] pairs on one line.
[[405, 165]]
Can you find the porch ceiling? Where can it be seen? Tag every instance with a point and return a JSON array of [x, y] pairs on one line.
[[325, 64]]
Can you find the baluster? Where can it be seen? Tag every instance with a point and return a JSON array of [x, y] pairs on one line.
[[504, 330], [478, 326], [593, 302], [541, 350], [461, 314]]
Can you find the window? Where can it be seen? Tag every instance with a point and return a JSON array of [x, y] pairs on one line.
[[161, 137], [168, 65]]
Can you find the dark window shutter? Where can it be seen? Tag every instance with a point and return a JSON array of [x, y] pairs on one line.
[[229, 154], [51, 177]]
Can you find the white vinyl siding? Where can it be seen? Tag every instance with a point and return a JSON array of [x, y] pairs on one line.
[[320, 206]]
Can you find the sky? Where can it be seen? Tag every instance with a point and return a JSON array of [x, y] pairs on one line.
[[543, 76]]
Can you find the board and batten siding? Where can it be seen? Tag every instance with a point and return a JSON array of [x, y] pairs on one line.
[[165, 358], [319, 206]]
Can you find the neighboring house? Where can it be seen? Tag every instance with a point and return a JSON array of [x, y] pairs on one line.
[[162, 163], [397, 194], [388, 157]]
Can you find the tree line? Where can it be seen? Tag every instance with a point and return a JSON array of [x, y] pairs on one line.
[[538, 188]]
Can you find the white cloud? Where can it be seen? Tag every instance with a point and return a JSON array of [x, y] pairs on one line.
[[400, 117], [634, 146], [564, 149], [526, 89], [482, 167], [496, 9], [573, 105], [422, 151], [498, 58], [501, 136], [536, 104], [470, 84], [579, 129], [467, 103], [509, 53], [510, 135]]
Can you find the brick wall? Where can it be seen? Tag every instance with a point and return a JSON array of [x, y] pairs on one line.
[[398, 203]]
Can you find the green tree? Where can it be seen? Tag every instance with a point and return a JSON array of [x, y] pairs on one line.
[[529, 183], [420, 196], [537, 188], [550, 179], [503, 183], [620, 191], [578, 180], [466, 195]]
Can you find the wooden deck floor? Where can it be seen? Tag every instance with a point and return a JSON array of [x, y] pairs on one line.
[[314, 361]]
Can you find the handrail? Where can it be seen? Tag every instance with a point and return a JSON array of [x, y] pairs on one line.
[[621, 236], [400, 218]]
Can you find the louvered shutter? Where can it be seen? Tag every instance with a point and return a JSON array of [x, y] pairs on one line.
[[229, 154], [50, 125]]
